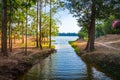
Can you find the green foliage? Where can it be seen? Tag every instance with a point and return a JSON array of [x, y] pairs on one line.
[[105, 27], [83, 34], [26, 17], [18, 10], [106, 11], [99, 29]]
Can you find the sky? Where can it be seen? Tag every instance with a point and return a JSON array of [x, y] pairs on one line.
[[68, 22]]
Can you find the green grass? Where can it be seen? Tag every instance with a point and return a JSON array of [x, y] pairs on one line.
[[47, 46], [74, 45]]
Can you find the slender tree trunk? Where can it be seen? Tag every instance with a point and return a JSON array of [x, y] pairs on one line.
[[14, 38], [37, 27], [9, 33], [18, 20], [91, 30], [47, 37], [10, 30], [22, 29], [22, 32], [11, 39], [26, 31], [50, 24], [40, 38], [45, 25], [44, 37], [4, 28]]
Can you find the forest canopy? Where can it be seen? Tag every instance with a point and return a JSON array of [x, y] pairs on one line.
[[20, 18]]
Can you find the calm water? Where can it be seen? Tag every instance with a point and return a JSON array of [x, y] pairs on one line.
[[63, 65]]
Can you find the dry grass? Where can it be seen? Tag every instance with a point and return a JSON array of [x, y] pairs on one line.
[[18, 52], [108, 40]]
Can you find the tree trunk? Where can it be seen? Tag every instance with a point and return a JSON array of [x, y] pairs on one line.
[[50, 24], [4, 28], [22, 33], [26, 31], [37, 27], [14, 38], [10, 36], [91, 30], [11, 40], [40, 38], [10, 31]]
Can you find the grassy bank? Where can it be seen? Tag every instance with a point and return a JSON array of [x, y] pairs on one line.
[[74, 45], [107, 60], [15, 66]]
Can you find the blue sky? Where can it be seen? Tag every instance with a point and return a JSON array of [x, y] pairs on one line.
[[69, 23]]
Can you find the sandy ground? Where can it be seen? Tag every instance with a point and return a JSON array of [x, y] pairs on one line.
[[107, 46], [104, 44]]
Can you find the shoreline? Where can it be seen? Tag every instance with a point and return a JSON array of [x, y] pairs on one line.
[[102, 57], [13, 69]]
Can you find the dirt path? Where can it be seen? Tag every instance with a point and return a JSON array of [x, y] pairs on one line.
[[106, 44]]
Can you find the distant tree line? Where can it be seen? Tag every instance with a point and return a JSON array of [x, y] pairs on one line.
[[67, 34]]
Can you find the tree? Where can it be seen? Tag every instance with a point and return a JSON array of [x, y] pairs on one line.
[[10, 30], [4, 28], [40, 25], [50, 23], [91, 28], [22, 19], [90, 10], [26, 27], [37, 26]]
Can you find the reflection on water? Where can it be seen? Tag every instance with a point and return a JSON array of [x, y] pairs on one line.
[[89, 71], [63, 65]]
